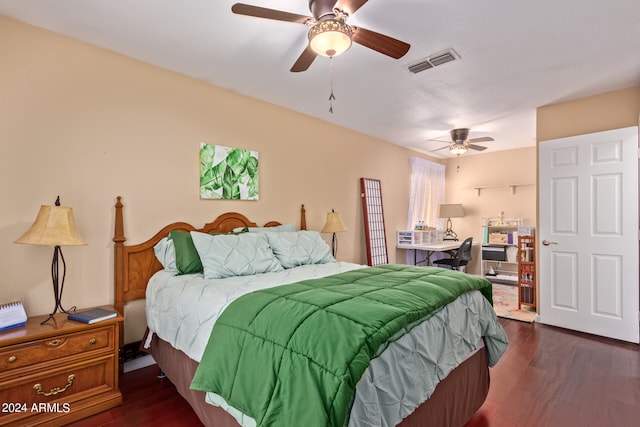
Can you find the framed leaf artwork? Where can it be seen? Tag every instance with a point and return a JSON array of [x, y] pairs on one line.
[[228, 173]]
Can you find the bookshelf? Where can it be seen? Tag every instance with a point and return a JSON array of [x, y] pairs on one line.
[[499, 263], [526, 271]]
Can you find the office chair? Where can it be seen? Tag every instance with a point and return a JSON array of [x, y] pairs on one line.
[[461, 258]]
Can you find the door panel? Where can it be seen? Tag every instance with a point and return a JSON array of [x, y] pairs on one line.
[[564, 211], [564, 285], [588, 202], [606, 205], [606, 286]]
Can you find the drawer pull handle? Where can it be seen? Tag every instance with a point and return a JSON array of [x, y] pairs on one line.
[[55, 343], [12, 359], [92, 341], [55, 390]]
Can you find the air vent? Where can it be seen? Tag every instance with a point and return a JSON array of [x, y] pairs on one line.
[[434, 61], [420, 66]]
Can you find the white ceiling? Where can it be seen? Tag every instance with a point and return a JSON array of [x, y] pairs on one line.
[[515, 56]]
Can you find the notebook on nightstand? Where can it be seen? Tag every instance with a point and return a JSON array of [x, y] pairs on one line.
[[12, 315], [92, 316]]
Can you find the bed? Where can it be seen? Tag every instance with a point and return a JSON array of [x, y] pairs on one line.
[[445, 393]]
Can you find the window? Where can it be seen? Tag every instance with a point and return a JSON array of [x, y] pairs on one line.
[[427, 193]]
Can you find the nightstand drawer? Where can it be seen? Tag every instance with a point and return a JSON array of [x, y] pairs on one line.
[[60, 391], [43, 350]]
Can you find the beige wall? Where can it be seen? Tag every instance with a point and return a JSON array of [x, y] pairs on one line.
[[497, 171], [88, 125], [611, 110]]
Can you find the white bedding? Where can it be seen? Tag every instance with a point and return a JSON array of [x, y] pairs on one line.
[[173, 315]]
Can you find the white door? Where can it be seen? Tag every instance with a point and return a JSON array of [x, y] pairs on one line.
[[588, 237]]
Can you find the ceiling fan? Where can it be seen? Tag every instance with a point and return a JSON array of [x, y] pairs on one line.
[[460, 143], [329, 34]]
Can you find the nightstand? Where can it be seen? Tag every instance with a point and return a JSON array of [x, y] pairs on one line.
[[59, 372]]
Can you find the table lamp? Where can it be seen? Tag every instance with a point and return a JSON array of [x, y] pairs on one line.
[[450, 211], [54, 226], [333, 225]]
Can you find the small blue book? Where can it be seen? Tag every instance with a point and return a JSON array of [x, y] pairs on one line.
[[92, 316]]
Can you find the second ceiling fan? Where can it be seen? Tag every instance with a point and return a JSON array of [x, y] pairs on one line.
[[329, 35], [460, 143]]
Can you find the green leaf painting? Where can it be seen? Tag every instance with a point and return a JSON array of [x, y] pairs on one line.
[[228, 173]]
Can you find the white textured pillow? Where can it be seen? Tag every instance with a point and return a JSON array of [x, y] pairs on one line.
[[226, 255], [166, 253], [294, 248]]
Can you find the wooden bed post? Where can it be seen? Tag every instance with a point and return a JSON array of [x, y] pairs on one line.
[[303, 218], [119, 239]]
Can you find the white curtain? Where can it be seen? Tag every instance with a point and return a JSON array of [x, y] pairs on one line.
[[427, 193]]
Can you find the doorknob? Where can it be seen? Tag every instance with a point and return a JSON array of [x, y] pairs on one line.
[[547, 243]]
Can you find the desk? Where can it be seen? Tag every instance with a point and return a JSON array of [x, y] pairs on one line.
[[445, 246]]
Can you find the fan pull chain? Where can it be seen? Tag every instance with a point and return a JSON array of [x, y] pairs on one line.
[[332, 97], [458, 168]]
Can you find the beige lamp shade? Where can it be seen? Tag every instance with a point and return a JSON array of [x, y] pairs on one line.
[[54, 226], [334, 223], [451, 211]]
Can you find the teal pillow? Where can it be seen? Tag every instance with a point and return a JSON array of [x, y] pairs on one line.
[[294, 248], [187, 258], [226, 255]]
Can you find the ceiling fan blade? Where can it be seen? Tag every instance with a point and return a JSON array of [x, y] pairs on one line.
[[304, 61], [476, 147], [350, 6], [380, 43], [438, 149], [263, 12], [482, 139]]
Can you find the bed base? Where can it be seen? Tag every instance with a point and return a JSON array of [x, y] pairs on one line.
[[453, 402]]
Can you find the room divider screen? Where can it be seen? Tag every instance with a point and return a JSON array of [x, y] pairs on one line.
[[375, 233]]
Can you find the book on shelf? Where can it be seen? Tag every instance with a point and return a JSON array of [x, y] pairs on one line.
[[93, 316], [12, 315]]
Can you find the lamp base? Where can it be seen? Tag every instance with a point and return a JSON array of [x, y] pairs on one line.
[[334, 245], [62, 310], [449, 234], [58, 286]]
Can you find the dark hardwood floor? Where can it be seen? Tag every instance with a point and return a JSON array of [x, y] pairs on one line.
[[555, 377], [548, 377]]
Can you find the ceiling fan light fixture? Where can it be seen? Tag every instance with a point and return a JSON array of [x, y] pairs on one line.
[[457, 149], [330, 37]]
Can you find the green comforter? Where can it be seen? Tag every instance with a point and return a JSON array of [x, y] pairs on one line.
[[292, 355]]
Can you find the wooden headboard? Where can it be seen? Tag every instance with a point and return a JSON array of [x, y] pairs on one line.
[[135, 264]]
